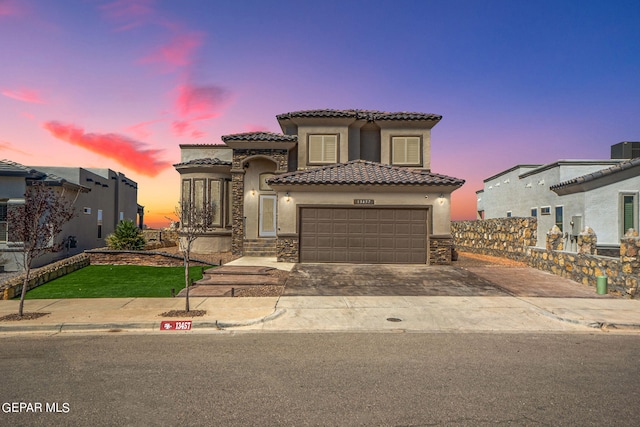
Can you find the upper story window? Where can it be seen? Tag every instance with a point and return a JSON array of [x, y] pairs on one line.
[[406, 150], [323, 149]]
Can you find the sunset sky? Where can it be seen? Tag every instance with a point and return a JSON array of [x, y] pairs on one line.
[[120, 84]]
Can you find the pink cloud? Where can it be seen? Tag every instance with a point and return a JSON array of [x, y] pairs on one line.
[[128, 14], [126, 151], [140, 129], [24, 95], [204, 101], [180, 127], [177, 53]]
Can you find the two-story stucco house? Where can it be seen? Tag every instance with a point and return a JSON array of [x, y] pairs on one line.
[[335, 186], [102, 198]]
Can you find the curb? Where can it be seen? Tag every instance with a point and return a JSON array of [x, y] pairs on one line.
[[588, 323], [116, 327]]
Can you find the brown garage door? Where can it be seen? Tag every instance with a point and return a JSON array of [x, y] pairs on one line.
[[363, 235]]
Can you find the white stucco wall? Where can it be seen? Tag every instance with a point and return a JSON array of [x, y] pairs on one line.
[[603, 209], [522, 189]]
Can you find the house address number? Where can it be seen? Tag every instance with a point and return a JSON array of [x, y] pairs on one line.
[[363, 201]]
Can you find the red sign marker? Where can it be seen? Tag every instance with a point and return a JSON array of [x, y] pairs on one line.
[[175, 325]]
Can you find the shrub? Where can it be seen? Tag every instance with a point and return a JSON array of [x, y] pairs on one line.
[[127, 236]]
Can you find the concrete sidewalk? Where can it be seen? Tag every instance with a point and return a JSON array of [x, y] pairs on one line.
[[333, 314]]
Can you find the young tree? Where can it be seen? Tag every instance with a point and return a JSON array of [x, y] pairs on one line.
[[194, 221], [126, 236], [36, 224]]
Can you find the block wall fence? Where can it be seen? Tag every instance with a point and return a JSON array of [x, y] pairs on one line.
[[515, 238]]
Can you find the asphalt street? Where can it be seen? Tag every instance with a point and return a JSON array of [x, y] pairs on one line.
[[240, 379]]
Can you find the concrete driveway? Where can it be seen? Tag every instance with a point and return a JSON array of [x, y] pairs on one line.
[[464, 278]]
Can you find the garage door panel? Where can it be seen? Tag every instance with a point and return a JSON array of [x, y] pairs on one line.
[[354, 214], [355, 228], [386, 229], [339, 228], [371, 242], [363, 235], [356, 243], [386, 243], [403, 229], [371, 215], [372, 229], [323, 214]]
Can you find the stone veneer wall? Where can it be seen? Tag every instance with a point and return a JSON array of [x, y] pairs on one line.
[[280, 156], [237, 212], [440, 250], [287, 248], [156, 259], [503, 237], [13, 287], [160, 238], [507, 238]]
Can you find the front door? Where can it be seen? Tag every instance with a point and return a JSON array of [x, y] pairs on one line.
[[267, 215]]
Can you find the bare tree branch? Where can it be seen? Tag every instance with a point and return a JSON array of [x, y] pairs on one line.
[[36, 225], [194, 221]]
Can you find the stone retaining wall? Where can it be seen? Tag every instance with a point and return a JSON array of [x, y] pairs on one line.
[[515, 238], [157, 259], [13, 287], [160, 238], [502, 237]]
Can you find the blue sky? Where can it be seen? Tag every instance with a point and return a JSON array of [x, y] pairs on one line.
[[515, 81]]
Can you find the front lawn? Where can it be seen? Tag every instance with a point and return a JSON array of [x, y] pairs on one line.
[[116, 281]]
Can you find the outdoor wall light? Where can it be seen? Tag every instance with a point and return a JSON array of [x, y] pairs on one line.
[[441, 198], [253, 191], [287, 196]]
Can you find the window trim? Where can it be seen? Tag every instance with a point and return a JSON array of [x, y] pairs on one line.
[[545, 210], [407, 163], [323, 162]]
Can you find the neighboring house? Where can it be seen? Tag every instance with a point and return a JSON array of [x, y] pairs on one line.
[[336, 186], [572, 194], [102, 198]]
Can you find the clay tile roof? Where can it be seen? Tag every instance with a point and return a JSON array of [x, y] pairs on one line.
[[260, 136], [627, 164], [369, 115], [204, 162], [364, 172]]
